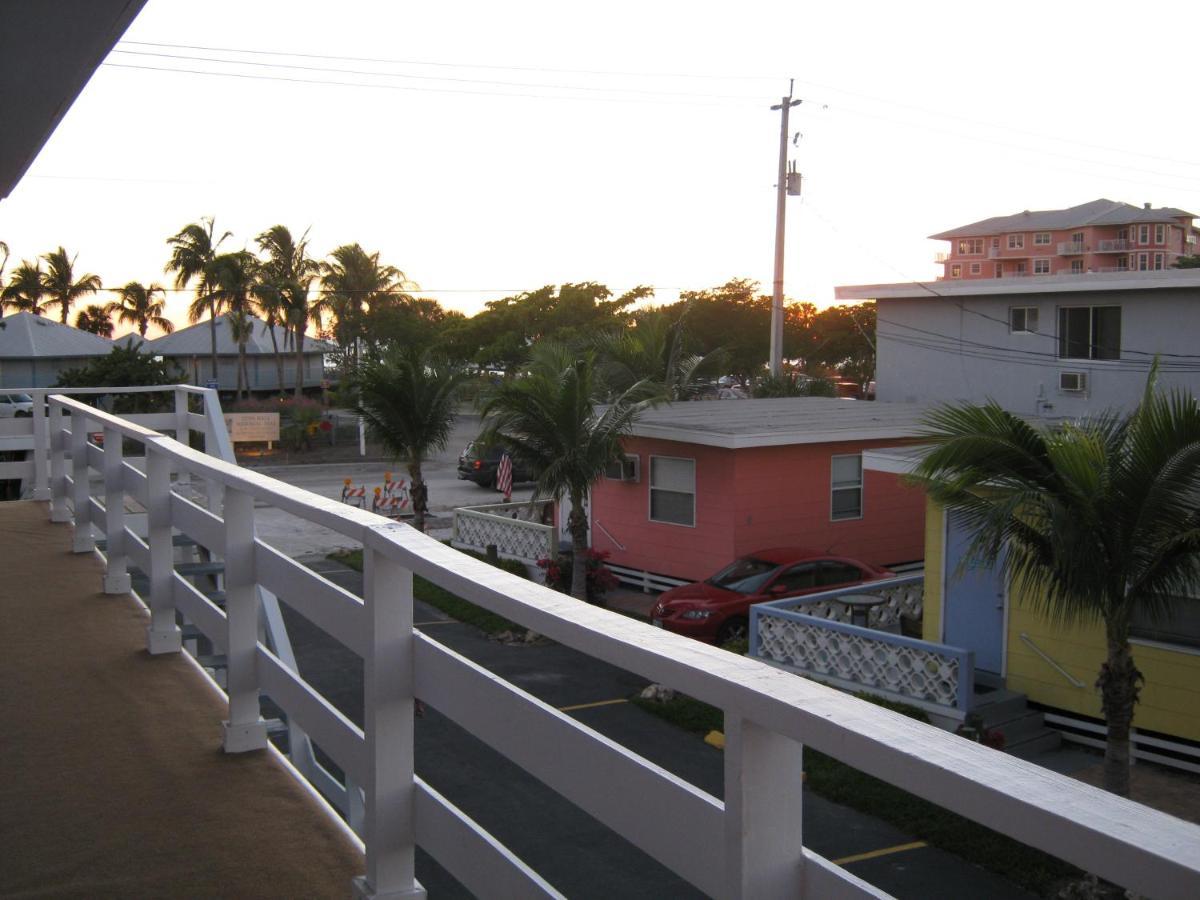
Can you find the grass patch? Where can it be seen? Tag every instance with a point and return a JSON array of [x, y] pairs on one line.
[[834, 780], [451, 604]]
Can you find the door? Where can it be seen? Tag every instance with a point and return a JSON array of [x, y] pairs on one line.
[[973, 605]]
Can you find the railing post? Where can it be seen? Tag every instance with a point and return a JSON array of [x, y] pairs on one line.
[[183, 432], [58, 467], [764, 775], [83, 540], [389, 830], [41, 483], [245, 729], [162, 634], [116, 577]]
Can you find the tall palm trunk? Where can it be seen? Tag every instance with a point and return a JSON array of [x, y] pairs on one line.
[[299, 361], [419, 494], [577, 525], [1119, 685], [278, 356], [212, 329]]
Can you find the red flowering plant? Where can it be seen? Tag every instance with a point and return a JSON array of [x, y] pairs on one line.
[[600, 579]]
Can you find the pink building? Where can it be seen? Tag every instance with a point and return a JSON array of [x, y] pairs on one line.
[[1101, 236], [706, 482]]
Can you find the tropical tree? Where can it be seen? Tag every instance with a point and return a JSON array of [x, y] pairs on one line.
[[193, 250], [1092, 521], [26, 289], [551, 421], [285, 277], [232, 278], [62, 288], [407, 399], [653, 351], [95, 319], [354, 281], [143, 306]]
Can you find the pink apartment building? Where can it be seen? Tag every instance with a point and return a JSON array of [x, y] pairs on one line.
[[1101, 236]]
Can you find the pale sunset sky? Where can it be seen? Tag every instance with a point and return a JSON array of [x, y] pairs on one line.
[[488, 148]]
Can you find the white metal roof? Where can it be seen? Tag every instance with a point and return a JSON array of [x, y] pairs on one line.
[[196, 340], [26, 336], [1040, 284], [771, 423]]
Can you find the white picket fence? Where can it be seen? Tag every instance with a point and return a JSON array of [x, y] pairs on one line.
[[748, 845]]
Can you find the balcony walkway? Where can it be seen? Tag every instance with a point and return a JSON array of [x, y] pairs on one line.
[[116, 783]]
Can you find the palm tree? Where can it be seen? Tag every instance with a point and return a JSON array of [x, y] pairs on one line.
[[95, 319], [353, 282], [232, 277], [143, 306], [652, 351], [25, 289], [550, 421], [1091, 520], [193, 250], [407, 400], [62, 289], [285, 278]]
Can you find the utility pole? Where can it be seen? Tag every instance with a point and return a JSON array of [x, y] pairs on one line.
[[781, 193]]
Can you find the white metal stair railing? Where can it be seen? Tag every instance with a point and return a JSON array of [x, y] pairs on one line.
[[748, 845], [514, 529]]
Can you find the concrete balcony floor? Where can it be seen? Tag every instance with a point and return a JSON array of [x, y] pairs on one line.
[[115, 781]]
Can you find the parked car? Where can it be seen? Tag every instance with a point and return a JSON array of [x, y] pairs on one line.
[[15, 406], [717, 609], [479, 464]]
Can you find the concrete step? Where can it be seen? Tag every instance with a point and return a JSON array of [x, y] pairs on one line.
[[1034, 745]]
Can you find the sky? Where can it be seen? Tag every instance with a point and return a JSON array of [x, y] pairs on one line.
[[486, 149]]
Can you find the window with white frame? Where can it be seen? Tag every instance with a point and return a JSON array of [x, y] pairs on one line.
[[1041, 238], [1023, 319], [976, 268], [956, 271], [1016, 242], [1160, 234], [1041, 267], [970, 246], [673, 490], [846, 487], [1159, 259], [1143, 234]]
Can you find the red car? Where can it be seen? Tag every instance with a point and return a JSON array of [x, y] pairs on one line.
[[718, 609]]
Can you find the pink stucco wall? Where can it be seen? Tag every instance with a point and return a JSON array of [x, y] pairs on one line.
[[751, 499]]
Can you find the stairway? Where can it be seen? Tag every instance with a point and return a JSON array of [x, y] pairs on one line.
[[1024, 730]]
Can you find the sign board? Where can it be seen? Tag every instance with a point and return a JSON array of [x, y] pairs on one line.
[[211, 385], [246, 428]]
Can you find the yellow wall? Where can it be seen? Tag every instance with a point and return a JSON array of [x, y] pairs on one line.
[[1170, 698]]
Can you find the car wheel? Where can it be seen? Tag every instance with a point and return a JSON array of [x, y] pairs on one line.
[[734, 629], [22, 414]]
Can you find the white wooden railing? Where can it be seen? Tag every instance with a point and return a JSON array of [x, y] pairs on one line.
[[749, 845], [516, 530]]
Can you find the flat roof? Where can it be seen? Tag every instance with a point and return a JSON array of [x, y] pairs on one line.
[[770, 423], [1040, 284]]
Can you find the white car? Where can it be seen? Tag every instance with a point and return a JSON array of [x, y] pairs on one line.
[[14, 405]]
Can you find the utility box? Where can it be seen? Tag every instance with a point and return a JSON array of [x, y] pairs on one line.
[[794, 179]]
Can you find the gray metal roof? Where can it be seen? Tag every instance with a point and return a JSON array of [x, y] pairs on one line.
[[196, 340], [793, 420], [1165, 279], [26, 336], [1098, 212]]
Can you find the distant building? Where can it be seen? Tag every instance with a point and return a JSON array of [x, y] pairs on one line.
[[34, 350], [1101, 236], [191, 350]]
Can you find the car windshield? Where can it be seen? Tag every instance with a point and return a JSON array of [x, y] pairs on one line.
[[20, 398], [744, 575]]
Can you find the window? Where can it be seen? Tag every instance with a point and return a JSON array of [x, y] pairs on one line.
[[1019, 268], [956, 270], [1158, 261], [846, 487], [1076, 266], [1160, 234], [1143, 234], [999, 270], [1016, 242], [1122, 234], [1041, 239], [1077, 237], [1122, 263], [996, 242], [976, 268], [1143, 262], [1041, 267], [1182, 626], [798, 578], [1089, 332], [673, 490], [970, 246], [1023, 319], [833, 573]]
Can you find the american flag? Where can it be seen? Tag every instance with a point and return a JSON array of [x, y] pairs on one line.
[[504, 477]]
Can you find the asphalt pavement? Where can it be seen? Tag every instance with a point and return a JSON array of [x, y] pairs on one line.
[[578, 855]]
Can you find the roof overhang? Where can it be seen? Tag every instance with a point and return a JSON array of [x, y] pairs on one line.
[[1092, 282], [49, 49]]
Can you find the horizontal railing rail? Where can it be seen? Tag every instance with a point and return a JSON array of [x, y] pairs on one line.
[[714, 844]]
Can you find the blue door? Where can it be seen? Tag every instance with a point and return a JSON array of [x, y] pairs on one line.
[[973, 608]]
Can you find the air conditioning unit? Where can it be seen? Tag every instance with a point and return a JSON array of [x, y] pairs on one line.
[[627, 468], [1074, 382]]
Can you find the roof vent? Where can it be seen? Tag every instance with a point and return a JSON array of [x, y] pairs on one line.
[[1146, 206]]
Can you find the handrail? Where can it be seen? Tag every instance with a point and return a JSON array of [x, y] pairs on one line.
[[769, 713], [1028, 641], [608, 534]]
